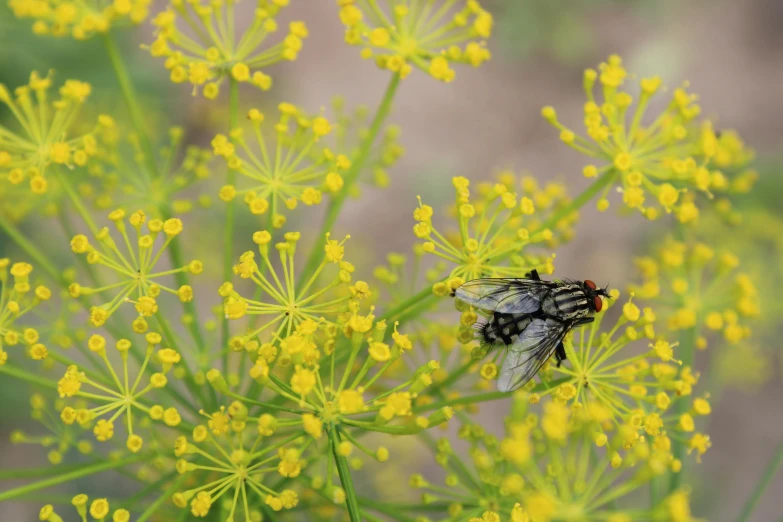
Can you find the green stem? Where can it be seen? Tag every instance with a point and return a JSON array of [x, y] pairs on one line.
[[482, 397], [578, 202], [336, 204], [345, 477], [228, 234], [194, 327], [399, 312], [28, 473], [73, 475], [761, 486], [27, 376], [36, 255], [77, 202], [131, 100], [686, 349]]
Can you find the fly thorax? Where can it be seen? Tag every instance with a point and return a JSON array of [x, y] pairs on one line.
[[569, 302]]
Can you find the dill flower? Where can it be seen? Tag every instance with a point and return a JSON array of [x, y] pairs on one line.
[[140, 285], [81, 20], [495, 230], [699, 288], [324, 380], [17, 298], [45, 141], [290, 307], [116, 395], [432, 37], [350, 128], [60, 438], [232, 455], [658, 165], [208, 49], [511, 478], [180, 168], [98, 510], [626, 378], [295, 167], [429, 338]]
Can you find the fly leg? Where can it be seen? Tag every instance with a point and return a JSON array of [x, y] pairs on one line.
[[560, 354], [583, 320], [533, 274]]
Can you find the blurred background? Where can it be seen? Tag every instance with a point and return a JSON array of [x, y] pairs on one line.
[[488, 119]]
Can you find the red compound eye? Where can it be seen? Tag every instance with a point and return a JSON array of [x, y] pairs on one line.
[[598, 303], [589, 284]]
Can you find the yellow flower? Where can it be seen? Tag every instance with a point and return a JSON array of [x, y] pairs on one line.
[[287, 166], [125, 396], [46, 141], [135, 268], [285, 306], [669, 158], [238, 464], [400, 37], [204, 56], [17, 299], [81, 20], [495, 231], [699, 288]]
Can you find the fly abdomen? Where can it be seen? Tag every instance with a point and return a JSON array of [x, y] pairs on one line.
[[504, 328]]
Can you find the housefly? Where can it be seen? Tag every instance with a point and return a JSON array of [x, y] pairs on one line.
[[530, 317]]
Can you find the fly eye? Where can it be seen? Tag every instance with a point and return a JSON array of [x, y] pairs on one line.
[[589, 284], [597, 303]]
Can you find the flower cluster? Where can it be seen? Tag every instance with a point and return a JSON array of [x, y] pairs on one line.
[[294, 167], [351, 128], [60, 439], [430, 37], [117, 396], [495, 231], [291, 306], [548, 466], [277, 394], [702, 289], [17, 298], [209, 48], [179, 168], [670, 157], [81, 20], [139, 284], [45, 141]]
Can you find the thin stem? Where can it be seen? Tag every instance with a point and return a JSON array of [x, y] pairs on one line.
[[579, 201], [31, 250], [132, 102], [345, 477], [336, 204], [687, 347], [27, 376], [228, 234], [73, 475], [769, 473], [194, 326], [77, 202]]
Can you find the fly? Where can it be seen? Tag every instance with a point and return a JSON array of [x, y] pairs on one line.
[[530, 317]]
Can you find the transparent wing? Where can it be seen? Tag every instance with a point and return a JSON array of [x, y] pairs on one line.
[[532, 348], [510, 296]]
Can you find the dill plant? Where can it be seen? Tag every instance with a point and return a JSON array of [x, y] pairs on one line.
[[310, 371]]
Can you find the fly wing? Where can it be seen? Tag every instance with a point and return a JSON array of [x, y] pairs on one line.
[[527, 354], [508, 296]]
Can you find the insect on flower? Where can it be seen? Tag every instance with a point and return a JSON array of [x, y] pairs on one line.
[[530, 317]]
